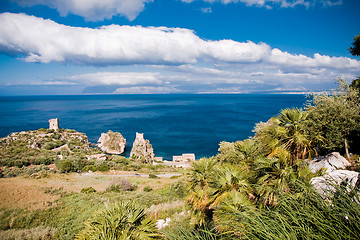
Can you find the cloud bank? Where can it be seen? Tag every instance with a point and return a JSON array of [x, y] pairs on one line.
[[276, 3], [92, 10], [37, 40], [163, 60]]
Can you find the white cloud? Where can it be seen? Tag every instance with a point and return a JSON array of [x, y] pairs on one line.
[[39, 40], [269, 4], [92, 10], [116, 78], [206, 10], [146, 90]]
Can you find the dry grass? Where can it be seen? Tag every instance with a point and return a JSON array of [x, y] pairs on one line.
[[38, 233], [159, 210], [24, 193], [33, 193]]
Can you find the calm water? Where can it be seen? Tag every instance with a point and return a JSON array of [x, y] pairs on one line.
[[174, 124]]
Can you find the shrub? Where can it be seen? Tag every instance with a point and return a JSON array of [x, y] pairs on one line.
[[103, 167], [123, 220], [65, 166], [88, 190], [179, 188], [134, 167], [89, 168], [120, 184], [147, 189], [8, 173], [153, 176], [46, 158], [120, 160]]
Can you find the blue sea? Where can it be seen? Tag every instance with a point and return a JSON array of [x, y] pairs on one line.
[[174, 124]]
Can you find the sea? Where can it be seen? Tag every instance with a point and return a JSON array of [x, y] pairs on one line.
[[174, 123]]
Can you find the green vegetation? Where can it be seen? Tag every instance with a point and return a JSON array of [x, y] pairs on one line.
[[88, 190], [122, 220], [355, 49], [260, 188], [42, 146]]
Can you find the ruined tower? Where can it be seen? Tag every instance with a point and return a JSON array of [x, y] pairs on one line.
[[54, 124]]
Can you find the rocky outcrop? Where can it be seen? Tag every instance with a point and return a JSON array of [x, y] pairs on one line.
[[327, 184], [142, 150], [112, 142], [330, 162], [48, 139]]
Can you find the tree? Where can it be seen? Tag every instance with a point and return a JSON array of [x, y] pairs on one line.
[[355, 85], [355, 49], [122, 220], [336, 116]]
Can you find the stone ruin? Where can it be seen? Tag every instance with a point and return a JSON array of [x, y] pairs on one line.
[[54, 124], [185, 157]]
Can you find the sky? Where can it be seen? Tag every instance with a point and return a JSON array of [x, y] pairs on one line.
[[67, 47]]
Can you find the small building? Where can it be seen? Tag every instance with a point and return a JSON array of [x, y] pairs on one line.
[[54, 124], [158, 159], [185, 157], [188, 157], [177, 158]]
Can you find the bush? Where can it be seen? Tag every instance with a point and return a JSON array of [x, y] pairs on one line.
[[65, 166], [120, 160], [178, 188], [88, 190], [89, 168], [147, 189], [153, 176], [122, 220], [8, 173], [46, 158], [120, 184], [103, 167]]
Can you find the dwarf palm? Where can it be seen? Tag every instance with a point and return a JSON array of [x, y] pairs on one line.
[[288, 131], [199, 197], [228, 179], [123, 220]]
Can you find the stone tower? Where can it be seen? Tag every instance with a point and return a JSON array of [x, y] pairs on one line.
[[54, 124], [142, 149]]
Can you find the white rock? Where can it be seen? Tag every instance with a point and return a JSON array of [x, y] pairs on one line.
[[326, 184], [161, 223], [330, 162]]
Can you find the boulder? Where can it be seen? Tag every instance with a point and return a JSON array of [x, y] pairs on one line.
[[112, 142], [330, 162], [327, 183], [142, 150]]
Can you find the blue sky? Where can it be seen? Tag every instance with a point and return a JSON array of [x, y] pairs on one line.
[[175, 46]]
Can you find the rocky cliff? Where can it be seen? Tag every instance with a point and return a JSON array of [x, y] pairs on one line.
[[112, 142], [142, 150]]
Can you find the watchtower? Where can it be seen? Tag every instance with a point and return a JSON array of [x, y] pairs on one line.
[[54, 124]]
